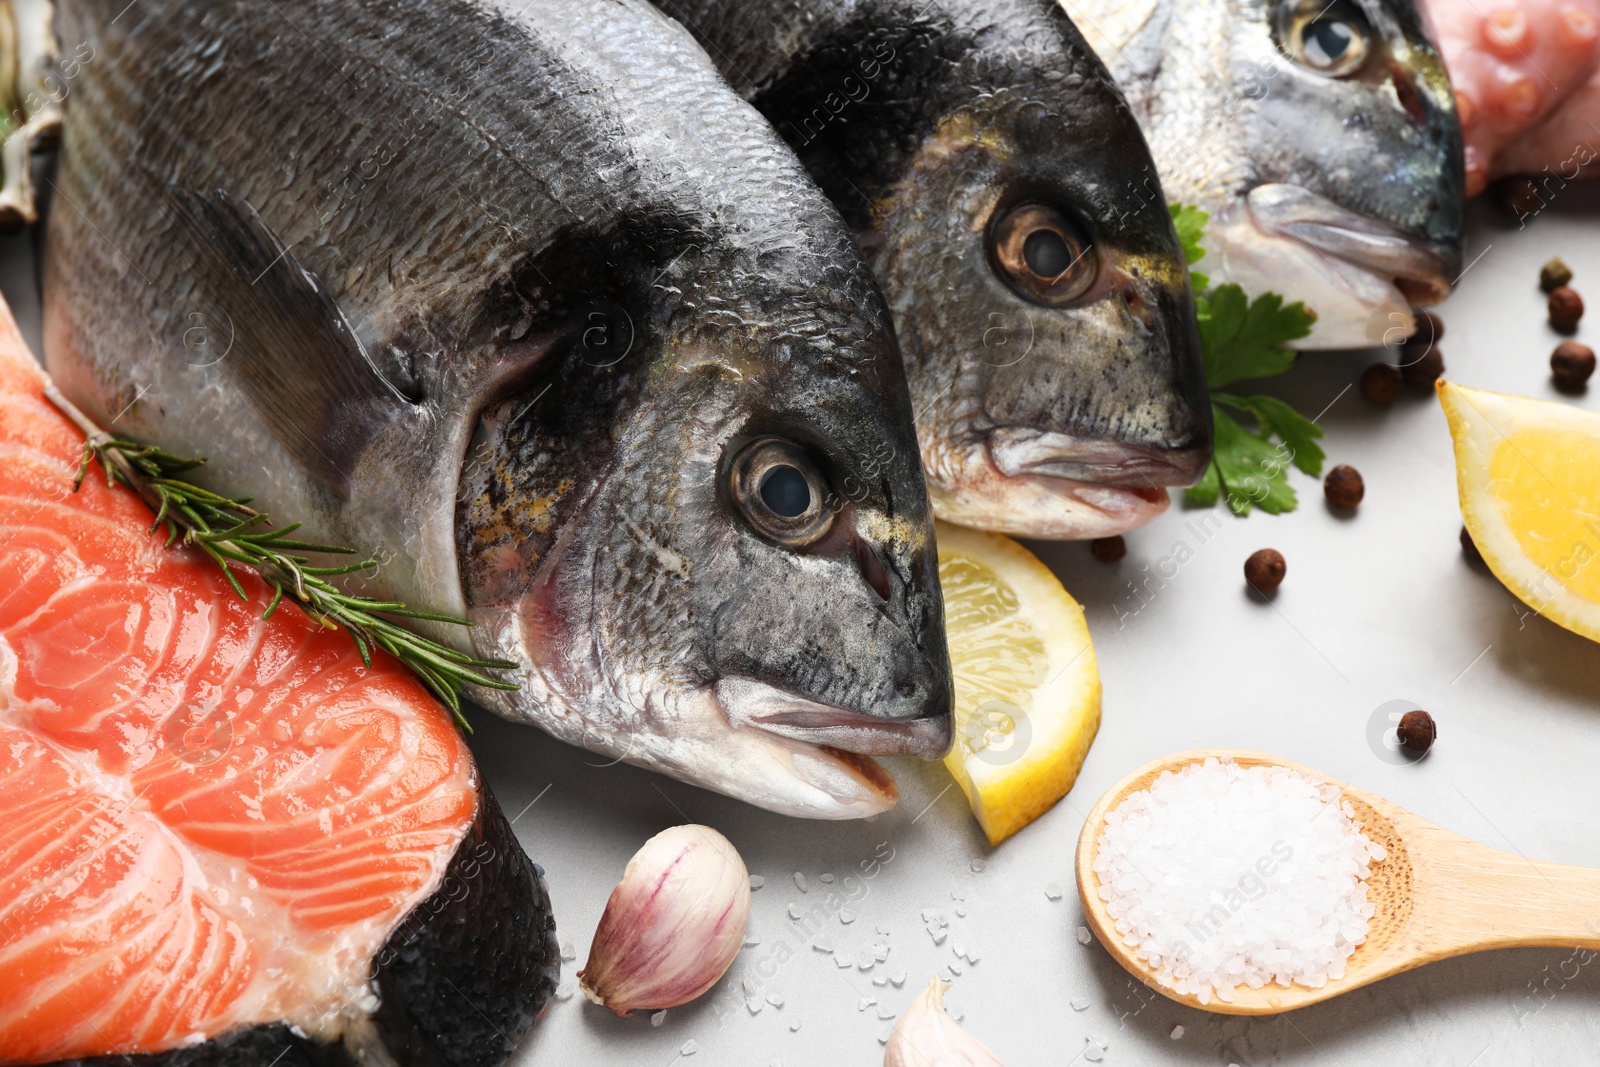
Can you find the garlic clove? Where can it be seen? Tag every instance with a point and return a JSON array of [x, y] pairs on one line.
[[673, 925], [927, 1037]]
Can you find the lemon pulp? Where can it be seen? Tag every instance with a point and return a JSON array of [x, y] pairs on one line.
[[1027, 686]]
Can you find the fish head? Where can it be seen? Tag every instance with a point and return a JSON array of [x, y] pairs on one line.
[[1353, 200], [702, 528], [1043, 305]]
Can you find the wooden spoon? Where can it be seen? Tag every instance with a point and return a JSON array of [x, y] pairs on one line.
[[1437, 895]]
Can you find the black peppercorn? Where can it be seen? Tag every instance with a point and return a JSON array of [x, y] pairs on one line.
[[1571, 364], [1566, 308], [1429, 326], [1108, 549], [1264, 570], [1344, 487], [1417, 730], [1420, 364], [1554, 274], [1380, 383]]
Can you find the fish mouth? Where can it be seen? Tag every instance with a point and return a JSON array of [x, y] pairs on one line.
[[1056, 486], [758, 705], [1362, 275], [1141, 469], [1418, 269]]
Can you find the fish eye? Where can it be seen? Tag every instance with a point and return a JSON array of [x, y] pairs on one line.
[[1329, 38], [1042, 254], [780, 492]]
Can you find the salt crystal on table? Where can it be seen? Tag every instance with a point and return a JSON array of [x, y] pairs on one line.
[[1177, 1032], [1079, 1003], [880, 952], [885, 1012], [749, 985], [956, 894], [754, 1004], [826, 878], [884, 930], [955, 968], [659, 1017], [899, 979], [794, 1027], [822, 944], [977, 866], [866, 1002], [775, 998], [929, 915], [885, 1034], [961, 911], [567, 951], [938, 938], [1053, 891], [752, 940], [690, 1047], [564, 991], [880, 980], [1094, 1054], [794, 911], [1083, 935], [842, 961], [846, 916], [866, 964], [756, 881], [800, 882]]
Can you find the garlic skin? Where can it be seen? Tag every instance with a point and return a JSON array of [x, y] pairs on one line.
[[673, 924], [924, 1036]]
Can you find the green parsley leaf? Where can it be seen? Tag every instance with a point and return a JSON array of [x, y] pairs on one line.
[[1244, 338], [1246, 469], [1298, 433], [1190, 222]]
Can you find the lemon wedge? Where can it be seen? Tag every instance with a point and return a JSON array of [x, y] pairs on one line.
[[1027, 684], [1528, 472]]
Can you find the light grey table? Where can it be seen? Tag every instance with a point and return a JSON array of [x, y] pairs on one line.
[[1375, 608]]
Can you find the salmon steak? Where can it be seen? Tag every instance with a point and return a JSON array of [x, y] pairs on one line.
[[226, 840]]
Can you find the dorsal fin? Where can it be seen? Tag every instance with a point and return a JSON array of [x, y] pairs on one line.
[[298, 363]]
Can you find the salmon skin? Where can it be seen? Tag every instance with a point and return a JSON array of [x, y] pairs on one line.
[[1005, 197], [225, 839], [524, 301]]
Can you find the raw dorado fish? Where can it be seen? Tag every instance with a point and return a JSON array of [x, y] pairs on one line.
[[1006, 199], [215, 827], [1527, 84], [1320, 135], [528, 304]]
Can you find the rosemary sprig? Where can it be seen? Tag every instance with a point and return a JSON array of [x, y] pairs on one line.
[[231, 532]]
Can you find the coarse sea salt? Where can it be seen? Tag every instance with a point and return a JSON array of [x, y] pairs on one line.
[[1219, 876]]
